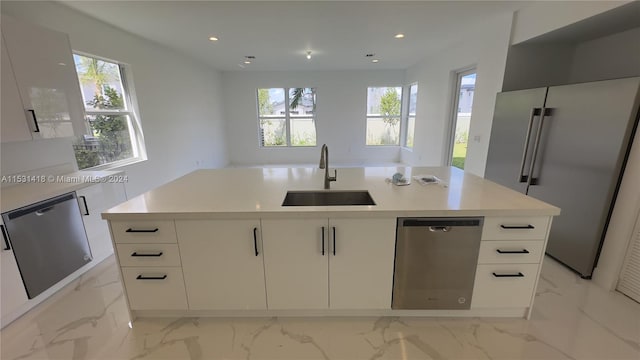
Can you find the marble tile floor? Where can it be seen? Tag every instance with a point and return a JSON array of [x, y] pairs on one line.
[[572, 319]]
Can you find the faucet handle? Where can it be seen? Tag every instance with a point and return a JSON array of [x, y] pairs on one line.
[[335, 175]]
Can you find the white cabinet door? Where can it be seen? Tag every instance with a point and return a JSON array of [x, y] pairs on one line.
[[155, 288], [504, 285], [93, 200], [45, 73], [222, 264], [296, 270], [12, 293], [361, 263], [14, 122]]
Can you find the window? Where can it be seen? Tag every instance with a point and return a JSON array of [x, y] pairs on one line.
[[287, 116], [113, 135], [461, 116], [411, 116], [383, 115]]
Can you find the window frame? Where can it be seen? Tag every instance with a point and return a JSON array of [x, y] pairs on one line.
[[407, 114], [131, 113], [367, 117], [457, 76], [287, 118]]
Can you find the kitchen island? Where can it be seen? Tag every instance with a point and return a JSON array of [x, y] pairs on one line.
[[220, 243]]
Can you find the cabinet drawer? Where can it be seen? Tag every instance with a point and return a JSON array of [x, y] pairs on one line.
[[515, 228], [140, 232], [510, 252], [491, 290], [148, 254], [155, 288]]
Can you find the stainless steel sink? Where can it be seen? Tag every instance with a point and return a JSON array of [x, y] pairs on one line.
[[328, 198]]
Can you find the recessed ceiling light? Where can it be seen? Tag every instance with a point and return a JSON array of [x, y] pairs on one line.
[[247, 62], [213, 38], [375, 60], [399, 36]]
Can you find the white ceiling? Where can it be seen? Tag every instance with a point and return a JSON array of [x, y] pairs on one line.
[[278, 34]]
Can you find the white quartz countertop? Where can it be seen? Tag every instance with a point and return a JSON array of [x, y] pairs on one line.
[[29, 189], [259, 192]]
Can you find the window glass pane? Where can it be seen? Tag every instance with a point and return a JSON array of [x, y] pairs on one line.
[[302, 101], [100, 82], [411, 116], [287, 116], [383, 112], [271, 102], [273, 132], [466, 87], [413, 97], [411, 123], [303, 132], [384, 101], [109, 141], [380, 132]]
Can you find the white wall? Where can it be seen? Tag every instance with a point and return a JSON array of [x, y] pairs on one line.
[[341, 108], [544, 16], [179, 100], [609, 57], [487, 49]]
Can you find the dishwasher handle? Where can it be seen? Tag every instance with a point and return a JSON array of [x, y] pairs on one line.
[[440, 224], [40, 208], [7, 246], [439, 228]]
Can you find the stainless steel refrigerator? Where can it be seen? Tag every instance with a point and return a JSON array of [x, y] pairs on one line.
[[567, 145]]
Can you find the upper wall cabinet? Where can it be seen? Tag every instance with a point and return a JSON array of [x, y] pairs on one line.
[[48, 102], [14, 122], [602, 47]]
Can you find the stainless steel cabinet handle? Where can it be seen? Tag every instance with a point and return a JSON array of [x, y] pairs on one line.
[[530, 180], [521, 176], [5, 237], [35, 120], [142, 277], [86, 207]]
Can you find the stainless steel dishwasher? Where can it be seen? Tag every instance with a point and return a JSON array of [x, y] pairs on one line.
[[48, 240], [435, 263]]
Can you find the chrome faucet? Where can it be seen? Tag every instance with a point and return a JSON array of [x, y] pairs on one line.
[[324, 164]]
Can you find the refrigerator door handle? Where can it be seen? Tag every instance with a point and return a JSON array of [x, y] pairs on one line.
[[530, 180], [521, 176]]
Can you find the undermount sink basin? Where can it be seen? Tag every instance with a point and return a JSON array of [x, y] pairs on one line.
[[328, 198]]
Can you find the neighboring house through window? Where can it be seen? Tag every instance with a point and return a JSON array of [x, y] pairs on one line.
[[287, 117], [113, 135]]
